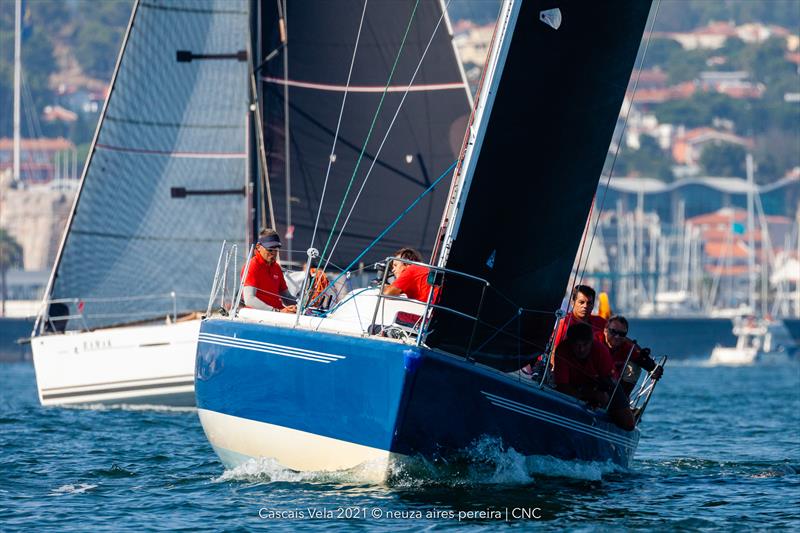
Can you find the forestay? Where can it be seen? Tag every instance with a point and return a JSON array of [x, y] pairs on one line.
[[165, 182]]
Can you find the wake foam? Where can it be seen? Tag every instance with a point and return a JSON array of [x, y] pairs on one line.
[[486, 462], [269, 470], [129, 407]]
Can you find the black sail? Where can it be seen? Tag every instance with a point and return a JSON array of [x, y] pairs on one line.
[[423, 142], [546, 142]]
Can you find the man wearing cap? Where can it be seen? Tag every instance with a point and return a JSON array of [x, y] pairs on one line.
[[264, 285]]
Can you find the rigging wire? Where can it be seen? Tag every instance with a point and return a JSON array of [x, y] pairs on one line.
[[338, 126], [388, 228], [371, 128], [582, 270], [388, 131]]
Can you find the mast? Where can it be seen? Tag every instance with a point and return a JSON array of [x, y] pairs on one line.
[[287, 137], [17, 83], [256, 206], [494, 68], [751, 256]]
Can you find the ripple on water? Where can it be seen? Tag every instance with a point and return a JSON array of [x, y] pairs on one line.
[[80, 488]]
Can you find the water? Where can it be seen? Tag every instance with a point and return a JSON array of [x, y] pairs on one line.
[[720, 449]]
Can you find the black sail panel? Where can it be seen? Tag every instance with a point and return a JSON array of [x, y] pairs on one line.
[[546, 142], [422, 143]]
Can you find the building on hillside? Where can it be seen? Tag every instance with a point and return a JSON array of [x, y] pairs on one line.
[[736, 84], [35, 216], [689, 145], [41, 160]]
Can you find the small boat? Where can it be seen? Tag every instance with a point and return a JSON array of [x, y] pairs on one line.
[[757, 341], [378, 377]]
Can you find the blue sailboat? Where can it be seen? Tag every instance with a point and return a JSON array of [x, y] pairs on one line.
[[373, 376]]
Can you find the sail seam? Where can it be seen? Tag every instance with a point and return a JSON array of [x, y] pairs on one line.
[[193, 9], [388, 130], [338, 126], [369, 133], [197, 155], [364, 88], [142, 237], [172, 124]]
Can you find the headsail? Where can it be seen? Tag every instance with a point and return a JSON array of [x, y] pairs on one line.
[[424, 141], [545, 144], [165, 182]]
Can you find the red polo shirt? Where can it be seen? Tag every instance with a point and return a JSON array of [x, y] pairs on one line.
[[268, 280], [572, 371], [597, 322], [414, 282]]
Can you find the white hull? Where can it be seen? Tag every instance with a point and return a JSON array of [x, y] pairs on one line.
[[746, 356], [732, 356], [151, 364], [238, 440]]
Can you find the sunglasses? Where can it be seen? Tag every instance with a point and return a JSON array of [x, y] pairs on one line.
[[617, 332], [273, 250]]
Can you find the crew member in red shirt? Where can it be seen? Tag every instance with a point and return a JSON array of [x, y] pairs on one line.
[[615, 337], [265, 286], [582, 303], [409, 279], [584, 370]]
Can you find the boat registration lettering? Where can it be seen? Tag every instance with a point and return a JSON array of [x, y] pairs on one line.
[[96, 344]]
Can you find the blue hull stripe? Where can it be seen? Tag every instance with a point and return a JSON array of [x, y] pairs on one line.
[[558, 420], [265, 347]]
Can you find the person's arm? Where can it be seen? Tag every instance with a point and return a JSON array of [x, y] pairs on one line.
[[287, 296], [400, 285], [252, 300], [648, 363], [391, 290]]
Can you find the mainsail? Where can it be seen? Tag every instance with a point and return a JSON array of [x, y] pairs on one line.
[[545, 144], [166, 180], [312, 70]]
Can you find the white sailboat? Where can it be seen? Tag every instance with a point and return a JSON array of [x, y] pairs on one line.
[[165, 182], [758, 339], [175, 171]]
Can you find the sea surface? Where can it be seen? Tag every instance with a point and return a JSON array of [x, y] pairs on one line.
[[720, 450]]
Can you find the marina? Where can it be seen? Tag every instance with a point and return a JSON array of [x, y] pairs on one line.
[[368, 266]]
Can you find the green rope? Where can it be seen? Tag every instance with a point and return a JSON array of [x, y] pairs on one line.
[[369, 133]]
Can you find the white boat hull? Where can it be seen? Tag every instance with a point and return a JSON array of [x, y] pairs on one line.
[[722, 355], [239, 440], [151, 364]]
